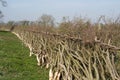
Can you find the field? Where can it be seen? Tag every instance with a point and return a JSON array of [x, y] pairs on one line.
[[15, 63]]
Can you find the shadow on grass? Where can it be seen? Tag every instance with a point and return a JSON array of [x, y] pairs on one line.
[[4, 31]]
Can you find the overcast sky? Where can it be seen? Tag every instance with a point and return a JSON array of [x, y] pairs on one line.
[[32, 9]]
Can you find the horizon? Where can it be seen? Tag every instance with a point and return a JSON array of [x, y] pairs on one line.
[[31, 10]]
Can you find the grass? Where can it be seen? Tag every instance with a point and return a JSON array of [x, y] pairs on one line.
[[15, 63]]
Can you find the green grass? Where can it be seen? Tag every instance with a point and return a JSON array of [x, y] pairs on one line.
[[15, 63]]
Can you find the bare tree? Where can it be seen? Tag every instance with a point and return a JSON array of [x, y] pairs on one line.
[[1, 15], [4, 4], [46, 20]]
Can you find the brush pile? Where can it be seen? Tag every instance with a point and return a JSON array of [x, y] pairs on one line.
[[71, 58]]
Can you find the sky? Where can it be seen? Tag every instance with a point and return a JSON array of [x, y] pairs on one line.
[[32, 9]]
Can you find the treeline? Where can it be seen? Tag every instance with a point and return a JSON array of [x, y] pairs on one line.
[[105, 29]]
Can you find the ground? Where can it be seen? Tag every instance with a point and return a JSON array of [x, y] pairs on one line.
[[15, 63]]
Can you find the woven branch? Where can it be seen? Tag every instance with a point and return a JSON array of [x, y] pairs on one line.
[[104, 45]]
